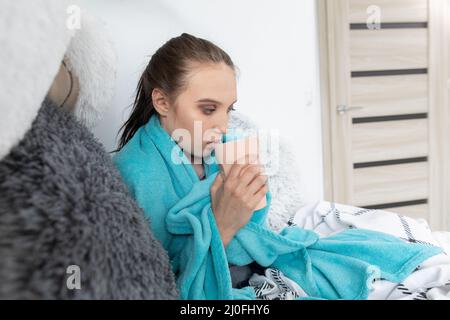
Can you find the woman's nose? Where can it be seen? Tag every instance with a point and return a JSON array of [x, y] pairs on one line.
[[223, 125], [223, 129]]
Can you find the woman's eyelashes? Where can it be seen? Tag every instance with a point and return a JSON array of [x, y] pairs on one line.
[[208, 110]]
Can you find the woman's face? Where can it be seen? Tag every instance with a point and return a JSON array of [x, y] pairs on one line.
[[199, 116]]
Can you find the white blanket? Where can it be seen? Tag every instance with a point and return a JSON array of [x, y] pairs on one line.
[[430, 281]]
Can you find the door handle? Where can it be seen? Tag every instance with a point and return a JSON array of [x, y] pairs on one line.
[[343, 109]]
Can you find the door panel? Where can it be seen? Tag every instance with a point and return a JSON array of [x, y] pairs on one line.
[[404, 94], [389, 140], [390, 184], [388, 49], [391, 10]]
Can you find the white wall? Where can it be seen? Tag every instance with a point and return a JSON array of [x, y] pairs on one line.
[[273, 43]]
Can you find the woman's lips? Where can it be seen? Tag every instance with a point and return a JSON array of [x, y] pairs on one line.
[[213, 142], [211, 145]]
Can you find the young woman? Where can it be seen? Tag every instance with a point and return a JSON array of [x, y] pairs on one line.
[[208, 222], [191, 80]]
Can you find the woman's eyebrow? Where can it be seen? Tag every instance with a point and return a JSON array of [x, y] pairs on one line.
[[212, 101]]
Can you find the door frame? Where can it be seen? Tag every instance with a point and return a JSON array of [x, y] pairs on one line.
[[335, 78]]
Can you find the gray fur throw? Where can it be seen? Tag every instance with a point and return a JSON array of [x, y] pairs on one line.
[[63, 205]]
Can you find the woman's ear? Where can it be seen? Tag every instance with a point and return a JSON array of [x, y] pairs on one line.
[[160, 102], [64, 89]]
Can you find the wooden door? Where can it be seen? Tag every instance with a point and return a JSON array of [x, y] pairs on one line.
[[384, 71]]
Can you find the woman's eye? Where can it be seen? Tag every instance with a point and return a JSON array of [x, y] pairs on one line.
[[208, 111]]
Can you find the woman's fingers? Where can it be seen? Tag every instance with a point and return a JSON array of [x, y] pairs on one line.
[[248, 191], [251, 160], [218, 182], [257, 183], [250, 173], [239, 165], [259, 195]]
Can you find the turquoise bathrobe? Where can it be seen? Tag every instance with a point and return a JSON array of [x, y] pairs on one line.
[[178, 205]]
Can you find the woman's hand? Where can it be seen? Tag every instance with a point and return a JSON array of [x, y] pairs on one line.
[[235, 197]]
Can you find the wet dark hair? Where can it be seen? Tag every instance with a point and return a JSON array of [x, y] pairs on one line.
[[167, 70]]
